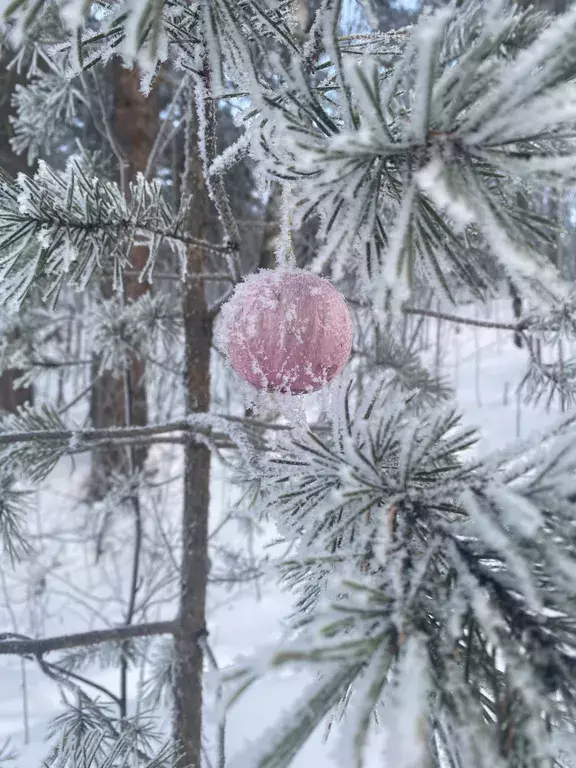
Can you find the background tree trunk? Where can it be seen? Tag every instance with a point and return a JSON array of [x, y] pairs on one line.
[[135, 122], [11, 397]]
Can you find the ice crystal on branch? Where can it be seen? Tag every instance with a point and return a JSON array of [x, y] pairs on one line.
[[62, 226], [226, 31], [139, 327], [404, 187], [49, 102], [88, 735], [434, 591]]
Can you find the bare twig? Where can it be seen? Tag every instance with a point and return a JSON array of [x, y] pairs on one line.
[[79, 679], [159, 143], [109, 131], [451, 318], [463, 320]]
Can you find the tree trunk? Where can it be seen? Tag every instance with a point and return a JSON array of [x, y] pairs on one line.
[[194, 567], [135, 123], [11, 397]]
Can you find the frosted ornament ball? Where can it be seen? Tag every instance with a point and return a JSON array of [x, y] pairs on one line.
[[286, 331]]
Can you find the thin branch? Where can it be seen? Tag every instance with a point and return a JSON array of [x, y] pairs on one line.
[[124, 224], [94, 435], [142, 440], [79, 679], [251, 223], [516, 327], [80, 396], [56, 363], [109, 132], [168, 235], [159, 143], [132, 433], [17, 645], [258, 424], [463, 320], [189, 277]]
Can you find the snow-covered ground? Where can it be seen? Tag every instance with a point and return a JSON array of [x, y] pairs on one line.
[[484, 367]]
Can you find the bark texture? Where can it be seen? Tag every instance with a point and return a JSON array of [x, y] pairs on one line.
[[198, 326], [136, 122], [11, 397]]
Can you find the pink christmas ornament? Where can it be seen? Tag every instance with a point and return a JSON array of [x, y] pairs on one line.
[[286, 331]]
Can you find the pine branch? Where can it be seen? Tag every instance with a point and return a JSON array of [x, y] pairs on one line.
[[116, 228], [127, 433], [82, 223], [424, 193], [93, 435], [17, 645]]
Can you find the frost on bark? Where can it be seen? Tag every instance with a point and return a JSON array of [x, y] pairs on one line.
[[198, 328], [135, 122]]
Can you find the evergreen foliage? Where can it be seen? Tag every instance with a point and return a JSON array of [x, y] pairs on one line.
[[434, 590]]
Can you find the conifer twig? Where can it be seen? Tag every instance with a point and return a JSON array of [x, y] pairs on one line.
[[132, 433]]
